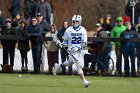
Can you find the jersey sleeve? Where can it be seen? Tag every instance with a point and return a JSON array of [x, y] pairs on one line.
[[84, 35]]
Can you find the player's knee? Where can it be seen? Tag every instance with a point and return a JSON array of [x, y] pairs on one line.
[[67, 63], [80, 71]]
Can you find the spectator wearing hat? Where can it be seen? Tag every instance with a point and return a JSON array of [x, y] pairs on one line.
[[99, 52], [45, 28], [44, 24], [8, 46], [44, 8], [108, 23], [115, 33], [102, 49]]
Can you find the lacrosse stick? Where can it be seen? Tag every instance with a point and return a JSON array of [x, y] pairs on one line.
[[55, 39], [73, 59], [58, 42]]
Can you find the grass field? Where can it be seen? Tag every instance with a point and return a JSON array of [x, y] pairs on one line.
[[27, 83]]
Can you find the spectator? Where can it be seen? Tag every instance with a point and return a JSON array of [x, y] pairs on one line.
[[52, 4], [128, 50], [102, 49], [128, 10], [29, 9], [34, 32], [108, 23], [15, 21], [63, 52], [8, 46], [138, 49], [91, 56], [52, 48], [115, 33], [1, 21], [23, 45], [44, 8], [15, 8], [45, 28]]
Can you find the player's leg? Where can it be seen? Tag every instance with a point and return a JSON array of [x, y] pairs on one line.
[[86, 83], [58, 66]]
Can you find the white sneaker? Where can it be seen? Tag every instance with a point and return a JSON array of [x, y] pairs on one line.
[[87, 84], [55, 69]]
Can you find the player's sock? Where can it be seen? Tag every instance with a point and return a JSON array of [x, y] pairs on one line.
[[84, 80], [86, 83], [56, 68]]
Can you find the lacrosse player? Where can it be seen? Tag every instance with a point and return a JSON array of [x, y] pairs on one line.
[[75, 37]]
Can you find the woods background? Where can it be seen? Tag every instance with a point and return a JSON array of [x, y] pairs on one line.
[[90, 10]]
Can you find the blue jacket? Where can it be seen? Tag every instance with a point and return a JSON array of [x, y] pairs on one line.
[[35, 34], [128, 46], [61, 33], [15, 8], [138, 45]]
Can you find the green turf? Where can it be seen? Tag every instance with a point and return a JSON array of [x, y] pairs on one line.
[[12, 83]]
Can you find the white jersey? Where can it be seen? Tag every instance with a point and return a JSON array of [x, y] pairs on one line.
[[75, 37]]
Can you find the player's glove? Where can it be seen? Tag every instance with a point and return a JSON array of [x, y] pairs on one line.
[[84, 45], [64, 44], [60, 45], [75, 48]]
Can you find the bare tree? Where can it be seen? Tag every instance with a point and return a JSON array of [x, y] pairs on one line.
[[90, 10]]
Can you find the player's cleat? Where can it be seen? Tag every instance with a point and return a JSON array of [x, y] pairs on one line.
[[55, 69], [87, 84]]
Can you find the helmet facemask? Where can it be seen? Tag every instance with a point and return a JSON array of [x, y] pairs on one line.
[[76, 21]]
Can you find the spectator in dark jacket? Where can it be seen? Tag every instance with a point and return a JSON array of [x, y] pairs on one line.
[[128, 11], [102, 49], [15, 21], [34, 32], [23, 45], [45, 28], [44, 8], [138, 49], [29, 9], [15, 8], [8, 45], [52, 4], [91, 56], [63, 52], [128, 50], [108, 23], [1, 20]]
